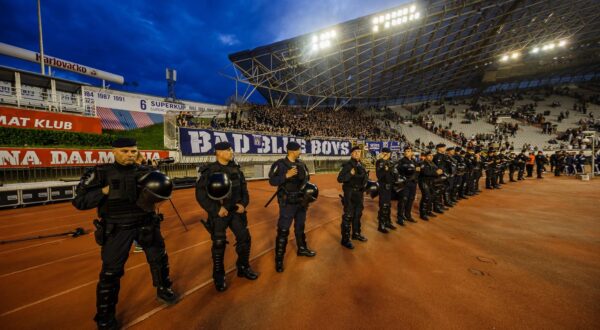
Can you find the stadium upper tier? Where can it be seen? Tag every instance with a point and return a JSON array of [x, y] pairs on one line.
[[427, 50]]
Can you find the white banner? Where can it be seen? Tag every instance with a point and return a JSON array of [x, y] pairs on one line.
[[145, 103]]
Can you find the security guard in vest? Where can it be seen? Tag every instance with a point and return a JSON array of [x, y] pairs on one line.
[[126, 195], [291, 176], [222, 191], [410, 169], [384, 169], [353, 176]]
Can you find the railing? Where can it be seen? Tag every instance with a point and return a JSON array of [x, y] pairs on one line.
[[34, 99]]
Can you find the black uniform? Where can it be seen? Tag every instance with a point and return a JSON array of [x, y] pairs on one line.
[[122, 222], [460, 178], [217, 226], [491, 171], [478, 165], [353, 187], [521, 162], [408, 168], [513, 166], [559, 163], [469, 177], [442, 188], [427, 176], [292, 207], [540, 162], [385, 176]]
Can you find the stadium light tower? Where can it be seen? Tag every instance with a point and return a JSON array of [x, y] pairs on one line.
[[171, 79], [39, 12]]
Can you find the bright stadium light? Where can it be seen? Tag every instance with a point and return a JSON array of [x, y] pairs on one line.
[[395, 18], [562, 43], [504, 58], [515, 55], [551, 46], [322, 40], [535, 50]]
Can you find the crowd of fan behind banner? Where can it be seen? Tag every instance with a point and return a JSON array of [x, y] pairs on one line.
[[378, 124]]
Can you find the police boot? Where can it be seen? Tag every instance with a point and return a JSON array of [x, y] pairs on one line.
[[159, 269], [303, 250], [381, 226], [423, 212], [346, 242], [219, 272], [243, 262], [356, 233], [107, 295], [400, 218], [280, 245], [387, 217]]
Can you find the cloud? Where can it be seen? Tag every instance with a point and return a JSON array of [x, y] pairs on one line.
[[228, 39]]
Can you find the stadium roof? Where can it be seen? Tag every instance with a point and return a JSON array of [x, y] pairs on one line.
[[425, 49]]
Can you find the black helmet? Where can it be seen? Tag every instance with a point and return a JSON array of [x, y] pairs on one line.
[[311, 192], [154, 188], [441, 178], [407, 169], [372, 188], [399, 183], [219, 186]]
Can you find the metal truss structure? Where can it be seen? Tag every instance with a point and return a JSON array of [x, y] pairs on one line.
[[454, 45]]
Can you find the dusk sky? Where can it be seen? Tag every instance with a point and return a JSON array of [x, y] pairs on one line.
[[139, 39]]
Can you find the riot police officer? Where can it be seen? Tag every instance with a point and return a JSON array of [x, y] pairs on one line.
[[462, 170], [410, 169], [491, 171], [222, 191], [353, 176], [522, 159], [428, 174], [385, 176], [469, 177], [513, 166], [125, 195], [477, 170], [559, 162], [441, 201], [291, 176], [540, 162]]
